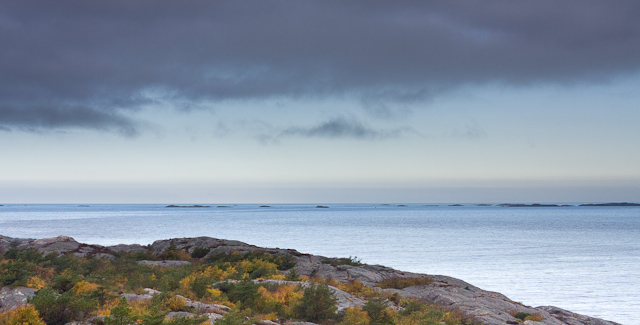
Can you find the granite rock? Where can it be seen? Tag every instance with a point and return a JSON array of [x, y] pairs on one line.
[[490, 308], [12, 298]]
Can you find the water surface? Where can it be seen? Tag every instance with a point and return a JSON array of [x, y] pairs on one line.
[[585, 259]]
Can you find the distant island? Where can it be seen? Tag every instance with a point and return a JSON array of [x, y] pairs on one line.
[[188, 206], [538, 205], [614, 204], [534, 205]]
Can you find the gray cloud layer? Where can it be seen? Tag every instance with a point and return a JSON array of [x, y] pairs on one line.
[[84, 63]]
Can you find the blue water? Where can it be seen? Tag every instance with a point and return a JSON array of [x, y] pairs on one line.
[[585, 259]]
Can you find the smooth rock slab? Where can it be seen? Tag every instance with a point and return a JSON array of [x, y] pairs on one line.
[[177, 314], [165, 263], [14, 298]]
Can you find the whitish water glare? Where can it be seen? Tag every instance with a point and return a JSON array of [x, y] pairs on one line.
[[584, 259]]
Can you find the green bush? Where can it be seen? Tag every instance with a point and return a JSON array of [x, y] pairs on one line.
[[234, 318], [15, 273], [353, 261], [173, 253], [378, 311], [316, 304], [65, 282], [64, 308], [292, 275], [28, 255], [200, 252], [521, 315], [282, 261], [244, 292], [120, 314]]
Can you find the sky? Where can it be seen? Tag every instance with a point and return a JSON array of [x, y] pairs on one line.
[[319, 101]]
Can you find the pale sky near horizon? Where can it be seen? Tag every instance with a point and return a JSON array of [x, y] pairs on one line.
[[319, 101]]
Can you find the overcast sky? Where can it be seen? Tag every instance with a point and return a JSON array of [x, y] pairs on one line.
[[319, 101]]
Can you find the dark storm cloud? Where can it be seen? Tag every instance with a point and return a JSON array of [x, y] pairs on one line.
[[39, 117], [92, 61]]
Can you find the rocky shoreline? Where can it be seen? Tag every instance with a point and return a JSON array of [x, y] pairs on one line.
[[484, 307]]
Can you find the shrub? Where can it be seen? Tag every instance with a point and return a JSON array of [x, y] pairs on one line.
[[292, 275], [378, 311], [317, 303], [65, 281], [200, 252], [15, 272], [26, 315], [355, 316], [234, 318], [245, 292], [154, 317], [172, 253], [535, 317], [282, 261], [120, 314], [28, 255], [519, 314], [84, 287], [351, 260], [64, 308], [175, 303], [358, 288], [35, 282], [257, 268]]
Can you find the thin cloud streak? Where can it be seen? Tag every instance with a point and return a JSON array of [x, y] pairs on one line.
[[104, 57], [340, 128]]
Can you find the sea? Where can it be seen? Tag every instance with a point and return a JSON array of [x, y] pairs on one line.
[[584, 259]]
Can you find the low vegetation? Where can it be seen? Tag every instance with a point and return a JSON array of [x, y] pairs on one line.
[[524, 316], [351, 260], [88, 288]]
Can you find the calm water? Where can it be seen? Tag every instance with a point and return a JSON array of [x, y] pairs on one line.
[[585, 259]]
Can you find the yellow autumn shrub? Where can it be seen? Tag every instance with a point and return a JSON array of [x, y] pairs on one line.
[[357, 288], [84, 287], [257, 269], [105, 309], [26, 315], [285, 296], [355, 316], [175, 303], [35, 282], [213, 293]]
